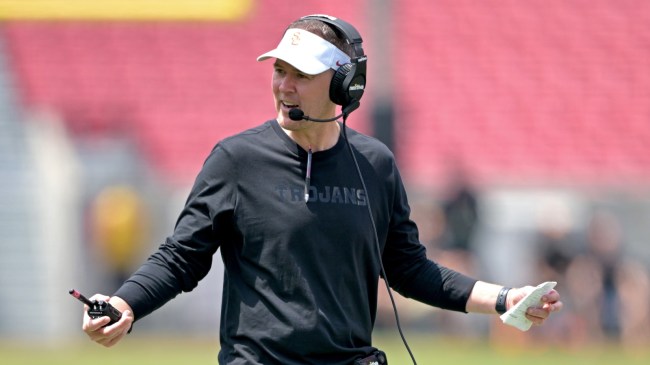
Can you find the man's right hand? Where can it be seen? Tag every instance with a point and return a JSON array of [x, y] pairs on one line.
[[109, 335]]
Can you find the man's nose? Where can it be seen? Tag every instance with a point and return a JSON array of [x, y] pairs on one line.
[[288, 82]]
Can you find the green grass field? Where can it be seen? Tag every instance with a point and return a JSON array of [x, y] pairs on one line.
[[427, 349]]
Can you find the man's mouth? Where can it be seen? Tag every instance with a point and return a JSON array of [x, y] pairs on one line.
[[290, 106]]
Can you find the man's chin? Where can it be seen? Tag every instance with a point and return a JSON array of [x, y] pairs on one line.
[[287, 123]]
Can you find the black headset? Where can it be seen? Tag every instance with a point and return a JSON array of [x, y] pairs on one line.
[[349, 81]]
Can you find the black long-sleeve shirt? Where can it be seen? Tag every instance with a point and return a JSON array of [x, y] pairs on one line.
[[301, 277]]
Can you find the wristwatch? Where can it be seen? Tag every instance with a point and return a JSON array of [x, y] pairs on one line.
[[501, 307]]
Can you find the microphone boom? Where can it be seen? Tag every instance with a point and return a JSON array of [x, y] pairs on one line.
[[297, 114]]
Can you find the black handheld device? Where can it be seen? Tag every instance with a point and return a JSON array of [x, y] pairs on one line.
[[98, 308]]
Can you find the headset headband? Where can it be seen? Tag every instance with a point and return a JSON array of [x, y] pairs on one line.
[[349, 80], [352, 37]]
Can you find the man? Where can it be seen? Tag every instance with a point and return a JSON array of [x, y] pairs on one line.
[[285, 204]]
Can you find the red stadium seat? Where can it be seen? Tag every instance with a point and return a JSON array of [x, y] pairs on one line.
[[513, 91]]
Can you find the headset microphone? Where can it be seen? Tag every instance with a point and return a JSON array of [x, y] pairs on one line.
[[298, 114]]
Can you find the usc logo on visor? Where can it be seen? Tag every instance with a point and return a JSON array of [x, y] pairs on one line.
[[295, 39]]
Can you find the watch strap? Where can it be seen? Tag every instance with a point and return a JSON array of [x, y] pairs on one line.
[[501, 306]]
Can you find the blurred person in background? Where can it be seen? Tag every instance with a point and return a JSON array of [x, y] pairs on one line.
[[460, 212], [460, 207], [555, 242], [457, 216], [609, 290], [633, 281], [556, 245], [118, 225], [285, 205]]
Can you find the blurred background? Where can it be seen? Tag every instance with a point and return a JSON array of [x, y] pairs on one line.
[[521, 128]]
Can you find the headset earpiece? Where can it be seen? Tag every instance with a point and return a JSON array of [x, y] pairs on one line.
[[338, 90]]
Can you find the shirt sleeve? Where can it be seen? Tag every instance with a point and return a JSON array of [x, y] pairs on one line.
[[185, 257], [410, 272]]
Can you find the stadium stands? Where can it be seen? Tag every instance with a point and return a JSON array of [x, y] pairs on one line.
[[175, 88], [547, 92], [514, 96]]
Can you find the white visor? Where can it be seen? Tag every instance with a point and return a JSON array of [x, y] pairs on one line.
[[307, 52]]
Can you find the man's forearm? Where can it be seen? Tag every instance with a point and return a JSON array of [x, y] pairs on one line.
[[483, 298]]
